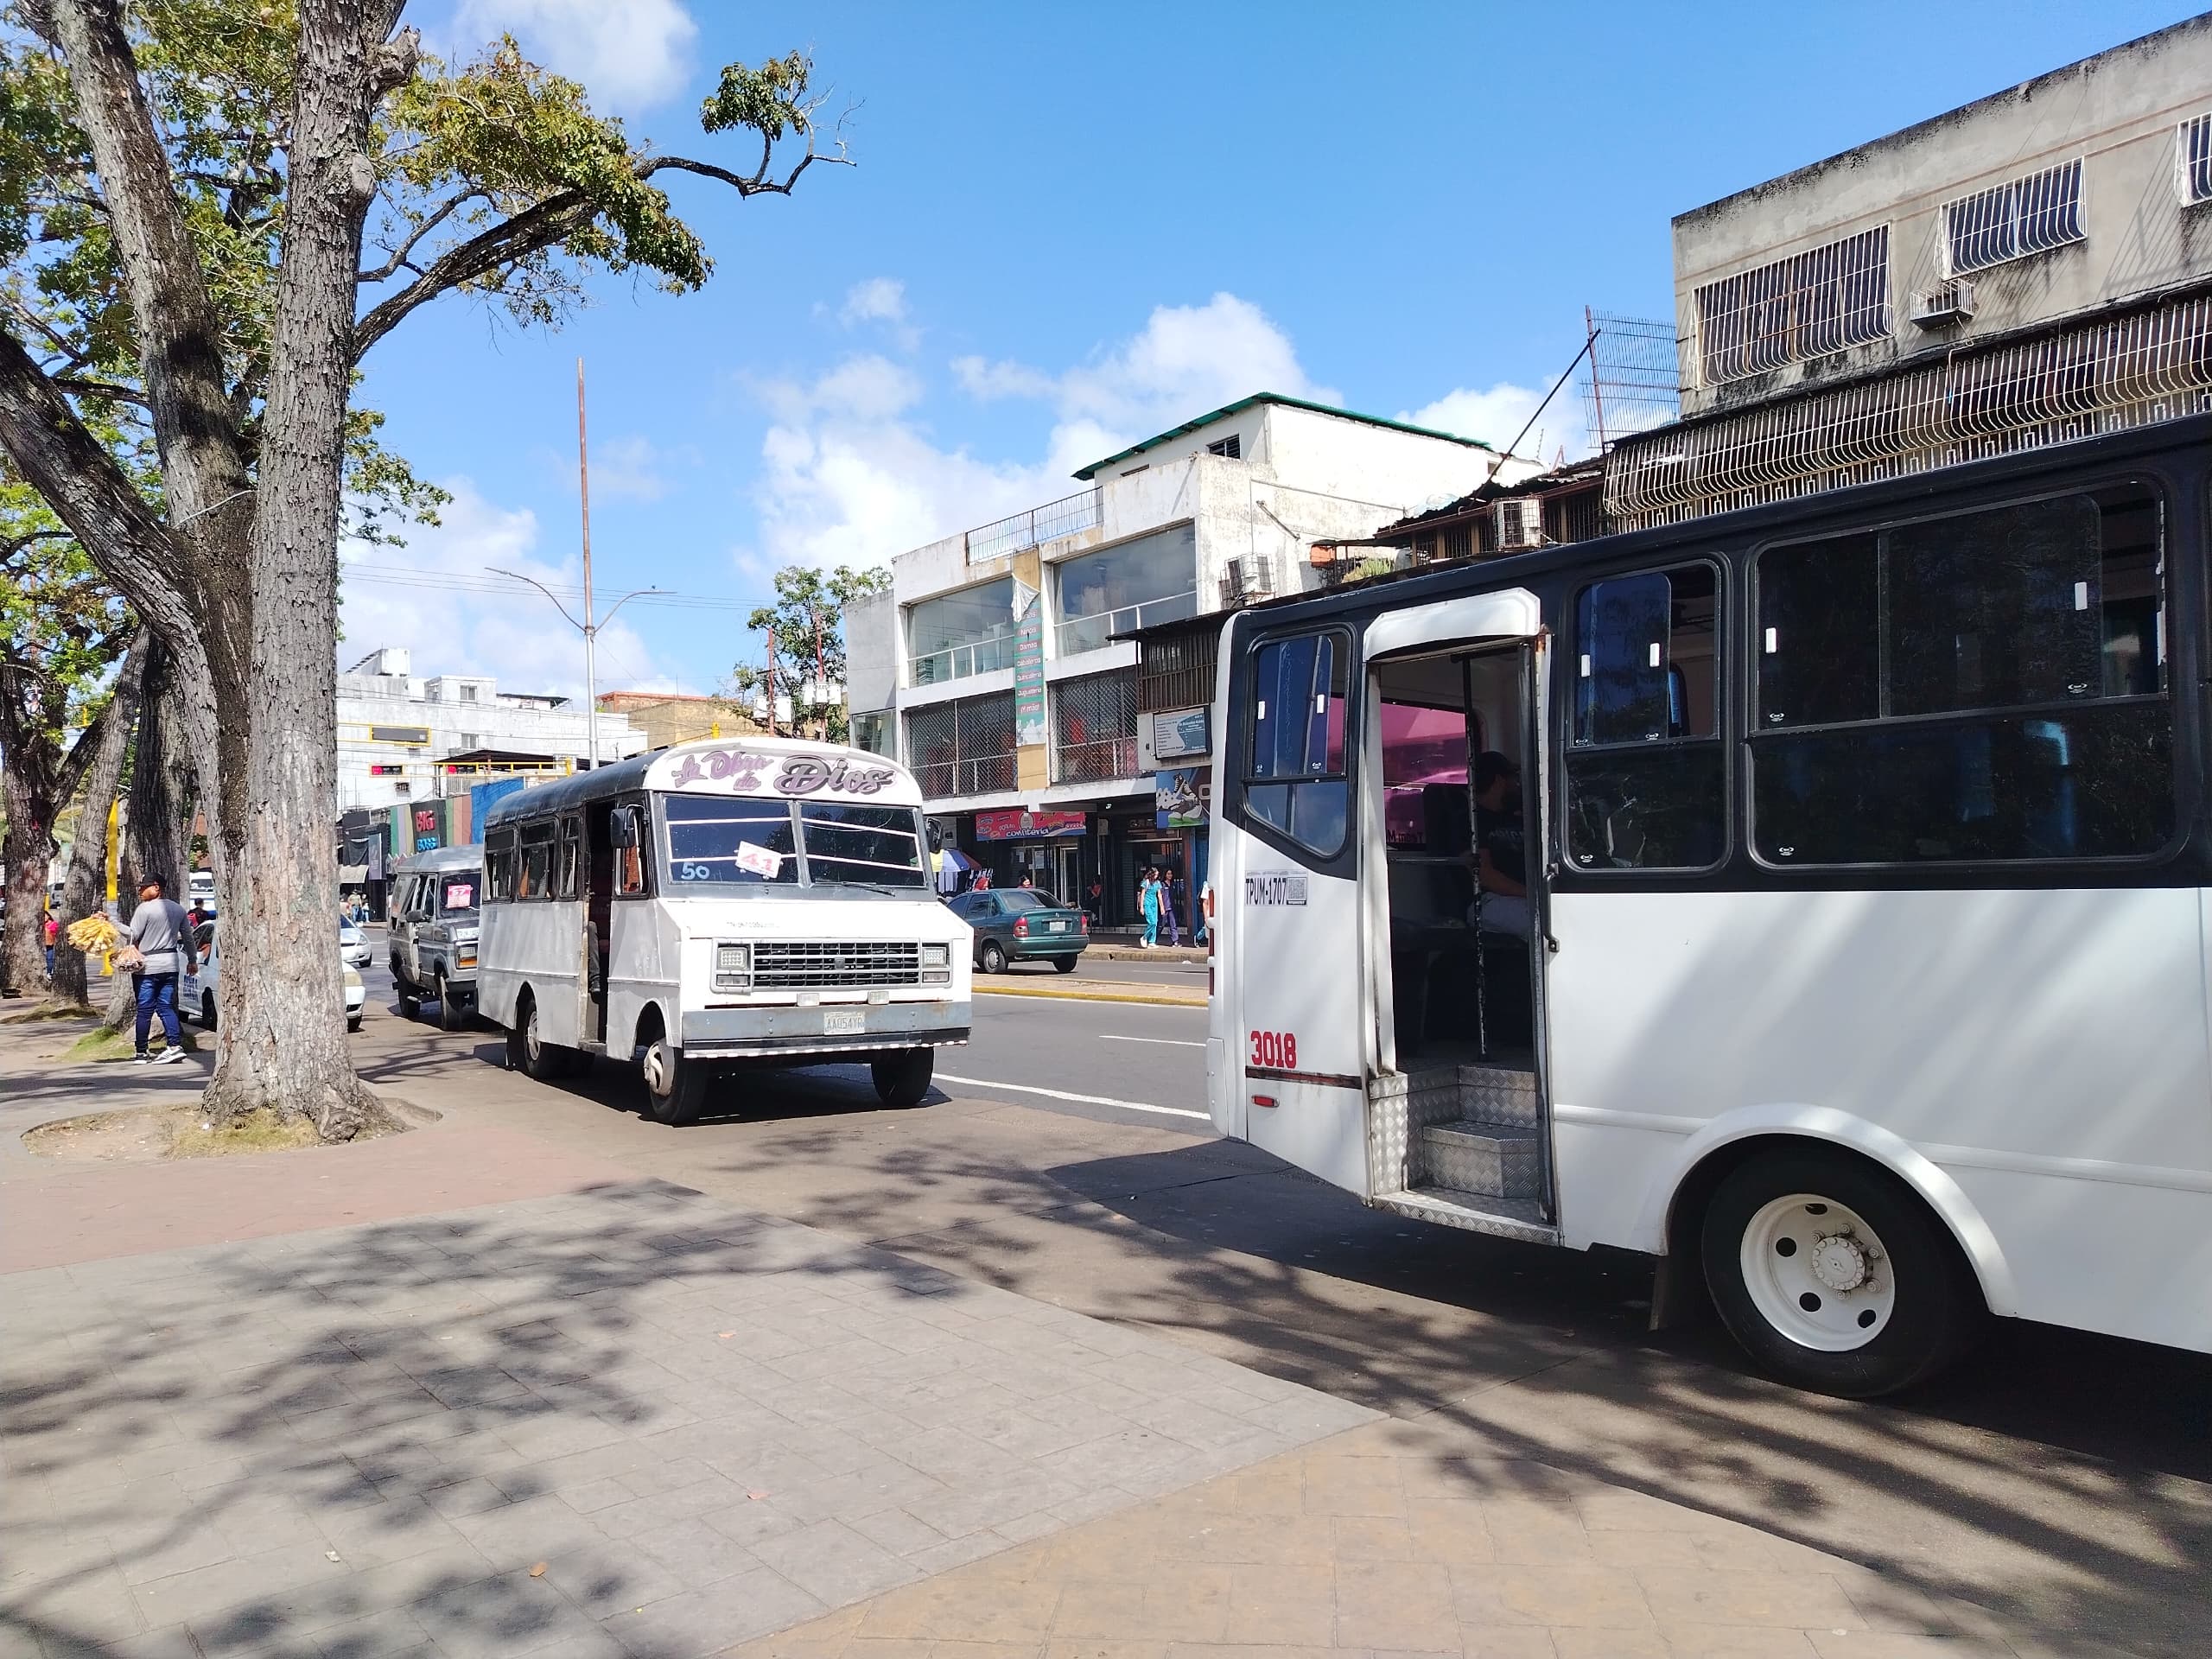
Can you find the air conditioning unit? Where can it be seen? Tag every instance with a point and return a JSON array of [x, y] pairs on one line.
[[1520, 521], [1950, 302], [1245, 579]]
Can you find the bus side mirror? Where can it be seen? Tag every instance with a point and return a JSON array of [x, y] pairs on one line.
[[936, 839], [622, 826]]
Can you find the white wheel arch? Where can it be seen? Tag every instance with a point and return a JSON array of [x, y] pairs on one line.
[[1825, 1124]]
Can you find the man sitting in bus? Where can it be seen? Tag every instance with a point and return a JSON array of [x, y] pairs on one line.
[[1499, 858]]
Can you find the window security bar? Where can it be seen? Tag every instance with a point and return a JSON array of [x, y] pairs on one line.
[[2107, 377], [2011, 221]]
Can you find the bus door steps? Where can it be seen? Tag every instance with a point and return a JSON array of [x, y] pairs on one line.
[[1473, 1213], [1487, 1094], [1499, 1160]]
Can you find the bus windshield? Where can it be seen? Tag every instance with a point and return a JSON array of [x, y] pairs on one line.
[[878, 845], [729, 842]]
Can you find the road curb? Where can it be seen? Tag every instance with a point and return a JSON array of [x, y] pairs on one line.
[[1156, 999]]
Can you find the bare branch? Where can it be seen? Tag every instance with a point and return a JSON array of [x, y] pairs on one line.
[[79, 385], [400, 256], [534, 228]]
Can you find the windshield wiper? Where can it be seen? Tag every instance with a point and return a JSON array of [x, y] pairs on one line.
[[873, 887]]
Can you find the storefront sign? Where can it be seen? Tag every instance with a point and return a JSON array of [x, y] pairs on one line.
[[427, 839], [1181, 733], [1179, 797], [1016, 825], [1028, 667]]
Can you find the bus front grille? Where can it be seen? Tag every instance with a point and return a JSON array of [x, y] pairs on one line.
[[781, 966]]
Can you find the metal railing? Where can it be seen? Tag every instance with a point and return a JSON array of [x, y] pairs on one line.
[[1098, 629], [1101, 761], [961, 662], [987, 775], [1064, 517]]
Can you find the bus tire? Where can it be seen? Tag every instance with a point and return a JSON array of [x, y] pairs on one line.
[[903, 1079], [528, 1052], [452, 1013], [1833, 1275], [992, 958], [675, 1089]]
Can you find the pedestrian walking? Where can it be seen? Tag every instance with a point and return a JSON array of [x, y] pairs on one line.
[[1169, 904], [52, 931], [1148, 899], [161, 941]]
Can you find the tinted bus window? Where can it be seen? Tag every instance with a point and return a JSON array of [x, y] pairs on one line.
[[1295, 769], [1644, 779], [1985, 687]]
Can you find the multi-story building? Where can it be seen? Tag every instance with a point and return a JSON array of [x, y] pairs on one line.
[[402, 738], [1000, 665], [670, 717], [2032, 268]]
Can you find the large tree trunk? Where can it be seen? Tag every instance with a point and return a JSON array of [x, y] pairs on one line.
[[86, 883], [281, 1033], [28, 841], [160, 782]]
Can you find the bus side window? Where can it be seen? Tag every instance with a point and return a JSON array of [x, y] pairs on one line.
[[564, 863], [1644, 762], [500, 864], [1295, 769], [535, 880]]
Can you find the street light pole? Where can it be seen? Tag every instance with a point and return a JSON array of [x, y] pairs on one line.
[[591, 627]]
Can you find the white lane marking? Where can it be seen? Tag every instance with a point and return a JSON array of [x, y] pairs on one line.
[[1164, 1042], [1062, 1094]]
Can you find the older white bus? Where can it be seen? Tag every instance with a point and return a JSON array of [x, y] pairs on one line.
[[1817, 897], [719, 904]]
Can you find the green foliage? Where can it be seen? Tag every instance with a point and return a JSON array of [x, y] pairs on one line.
[[771, 100], [806, 628], [61, 630]]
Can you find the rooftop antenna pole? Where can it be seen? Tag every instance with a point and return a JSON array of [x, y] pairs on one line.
[[1508, 453], [591, 628], [1597, 394]]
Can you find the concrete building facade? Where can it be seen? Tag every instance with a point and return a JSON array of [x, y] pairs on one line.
[[997, 667], [2032, 268], [404, 738]]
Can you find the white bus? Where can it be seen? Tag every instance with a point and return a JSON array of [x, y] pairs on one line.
[[1858, 969], [718, 905]]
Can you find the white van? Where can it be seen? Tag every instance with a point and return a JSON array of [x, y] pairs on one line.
[[722, 904]]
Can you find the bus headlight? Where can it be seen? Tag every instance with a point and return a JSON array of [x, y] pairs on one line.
[[732, 968], [937, 964]]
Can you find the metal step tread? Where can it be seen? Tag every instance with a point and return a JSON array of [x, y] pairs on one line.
[[1474, 1212], [1480, 1133]]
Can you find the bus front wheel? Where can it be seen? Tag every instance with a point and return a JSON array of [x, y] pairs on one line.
[[675, 1089], [902, 1079], [1833, 1275]]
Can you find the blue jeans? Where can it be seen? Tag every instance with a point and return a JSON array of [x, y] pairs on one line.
[[157, 995]]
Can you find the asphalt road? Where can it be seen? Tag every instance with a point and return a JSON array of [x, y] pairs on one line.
[[2063, 1480], [1160, 970]]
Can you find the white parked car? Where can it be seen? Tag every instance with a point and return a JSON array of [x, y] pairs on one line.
[[353, 944], [196, 992]]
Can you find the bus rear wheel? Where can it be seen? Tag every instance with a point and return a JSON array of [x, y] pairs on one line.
[[903, 1079], [675, 1089], [529, 1052], [1835, 1276]]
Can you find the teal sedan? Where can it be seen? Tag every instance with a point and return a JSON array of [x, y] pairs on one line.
[[1022, 924]]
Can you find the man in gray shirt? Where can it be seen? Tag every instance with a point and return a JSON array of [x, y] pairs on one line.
[[162, 934]]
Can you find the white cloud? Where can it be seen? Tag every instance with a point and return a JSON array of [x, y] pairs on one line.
[[881, 300], [853, 474], [458, 619], [631, 56], [1496, 415], [627, 469]]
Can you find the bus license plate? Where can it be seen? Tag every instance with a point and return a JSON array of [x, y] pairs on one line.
[[843, 1022]]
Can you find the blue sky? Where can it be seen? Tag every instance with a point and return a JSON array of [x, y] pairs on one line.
[[1068, 230]]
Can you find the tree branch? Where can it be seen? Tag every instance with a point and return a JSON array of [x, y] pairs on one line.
[[534, 228], [71, 772], [102, 389], [89, 493], [397, 263], [180, 337]]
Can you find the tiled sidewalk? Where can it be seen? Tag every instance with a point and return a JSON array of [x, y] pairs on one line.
[[1392, 1540], [630, 1421]]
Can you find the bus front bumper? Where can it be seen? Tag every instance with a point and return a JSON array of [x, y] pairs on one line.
[[836, 1028]]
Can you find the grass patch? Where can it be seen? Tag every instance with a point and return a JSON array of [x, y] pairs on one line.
[[257, 1131], [105, 1044]]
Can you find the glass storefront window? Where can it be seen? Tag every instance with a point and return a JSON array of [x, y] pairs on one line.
[[957, 634], [1152, 579]]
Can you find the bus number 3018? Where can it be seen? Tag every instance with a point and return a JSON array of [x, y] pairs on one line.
[[1274, 1048]]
